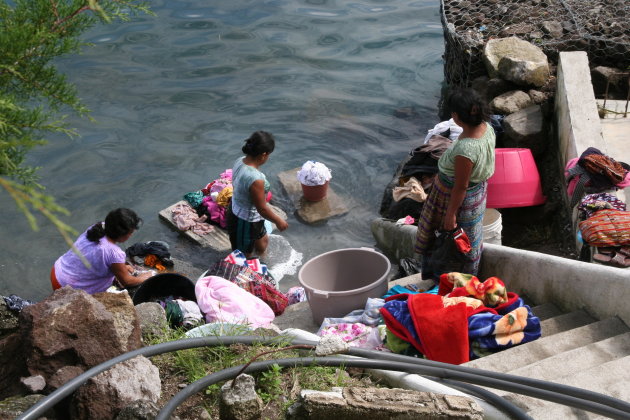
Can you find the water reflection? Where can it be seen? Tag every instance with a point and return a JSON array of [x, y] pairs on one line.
[[173, 97]]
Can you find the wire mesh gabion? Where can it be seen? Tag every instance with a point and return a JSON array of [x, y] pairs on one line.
[[599, 27]]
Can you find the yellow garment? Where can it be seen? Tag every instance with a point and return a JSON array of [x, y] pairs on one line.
[[224, 197]]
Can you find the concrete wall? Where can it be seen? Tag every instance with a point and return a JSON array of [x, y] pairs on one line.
[[577, 121], [396, 241], [604, 291]]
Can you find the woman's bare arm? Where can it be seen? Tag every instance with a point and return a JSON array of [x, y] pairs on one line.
[[123, 275], [257, 194], [463, 170]]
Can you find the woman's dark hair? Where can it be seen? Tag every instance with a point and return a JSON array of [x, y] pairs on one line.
[[117, 224], [258, 143], [469, 106]]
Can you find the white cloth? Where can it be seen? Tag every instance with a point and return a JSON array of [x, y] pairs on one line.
[[314, 173], [190, 312], [441, 127]]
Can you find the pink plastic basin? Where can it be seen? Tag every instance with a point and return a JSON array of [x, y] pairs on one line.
[[516, 180]]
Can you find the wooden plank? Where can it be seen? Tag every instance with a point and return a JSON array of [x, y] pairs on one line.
[[308, 211], [218, 239]]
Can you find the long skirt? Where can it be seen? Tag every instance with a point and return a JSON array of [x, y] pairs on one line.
[[469, 217]]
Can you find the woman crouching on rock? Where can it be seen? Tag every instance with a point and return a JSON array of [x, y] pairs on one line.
[[106, 260], [248, 209], [458, 195]]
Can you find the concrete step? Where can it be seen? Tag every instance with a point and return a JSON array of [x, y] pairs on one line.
[[609, 378], [585, 357], [565, 322], [546, 311], [547, 346]]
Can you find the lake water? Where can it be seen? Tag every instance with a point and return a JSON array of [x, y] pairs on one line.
[[174, 95]]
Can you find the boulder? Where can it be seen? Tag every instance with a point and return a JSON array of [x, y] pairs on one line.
[[524, 72], [510, 102], [241, 401], [152, 317], [523, 63], [105, 395], [126, 323], [72, 328], [525, 128]]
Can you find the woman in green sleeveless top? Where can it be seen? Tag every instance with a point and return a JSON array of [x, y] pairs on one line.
[[458, 195]]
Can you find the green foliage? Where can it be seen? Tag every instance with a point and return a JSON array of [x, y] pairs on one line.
[[270, 383], [34, 95]]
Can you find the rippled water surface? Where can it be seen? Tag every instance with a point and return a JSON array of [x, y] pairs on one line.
[[173, 96]]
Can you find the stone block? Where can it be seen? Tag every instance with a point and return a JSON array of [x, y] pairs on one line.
[[526, 128], [510, 102], [105, 395], [240, 402], [518, 51], [355, 403], [311, 212]]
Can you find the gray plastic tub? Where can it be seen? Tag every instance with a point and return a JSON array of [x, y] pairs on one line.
[[338, 282]]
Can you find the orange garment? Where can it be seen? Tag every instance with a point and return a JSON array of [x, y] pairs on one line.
[[53, 279], [153, 261]]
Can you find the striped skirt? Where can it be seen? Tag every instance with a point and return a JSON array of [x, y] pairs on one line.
[[469, 217]]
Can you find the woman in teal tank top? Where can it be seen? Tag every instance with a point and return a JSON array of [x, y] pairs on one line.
[[458, 195], [248, 209]]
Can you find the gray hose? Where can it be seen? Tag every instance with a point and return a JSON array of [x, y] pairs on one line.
[[441, 372], [552, 389]]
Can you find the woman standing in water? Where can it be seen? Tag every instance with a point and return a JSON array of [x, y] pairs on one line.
[[248, 208], [458, 195], [106, 260]]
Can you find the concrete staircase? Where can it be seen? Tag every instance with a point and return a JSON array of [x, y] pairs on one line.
[[575, 349]]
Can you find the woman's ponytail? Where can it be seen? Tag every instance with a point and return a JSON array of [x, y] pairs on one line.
[[258, 143], [96, 232], [118, 223]]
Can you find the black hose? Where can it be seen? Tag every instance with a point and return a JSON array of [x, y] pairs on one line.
[[501, 381], [535, 383], [230, 373]]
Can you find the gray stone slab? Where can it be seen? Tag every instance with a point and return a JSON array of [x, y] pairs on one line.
[[311, 212], [565, 322], [298, 315], [609, 378], [218, 239]]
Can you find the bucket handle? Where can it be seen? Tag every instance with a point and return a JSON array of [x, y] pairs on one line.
[[321, 293]]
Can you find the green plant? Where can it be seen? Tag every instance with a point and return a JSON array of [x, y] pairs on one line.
[[270, 383], [33, 94]]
